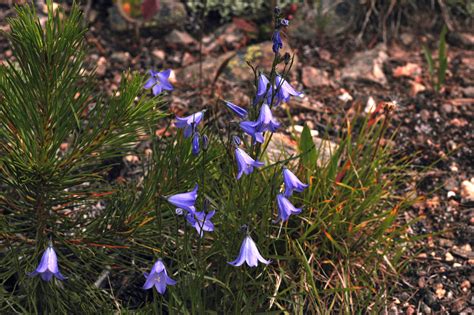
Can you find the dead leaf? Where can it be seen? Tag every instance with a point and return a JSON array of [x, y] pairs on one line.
[[416, 88], [411, 70]]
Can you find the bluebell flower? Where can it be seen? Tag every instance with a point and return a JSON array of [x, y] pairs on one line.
[[285, 208], [189, 123], [201, 221], [195, 143], [265, 120], [245, 163], [250, 128], [159, 81], [185, 201], [158, 278], [292, 183], [262, 89], [249, 253], [277, 43], [284, 90], [239, 111], [48, 266], [284, 22]]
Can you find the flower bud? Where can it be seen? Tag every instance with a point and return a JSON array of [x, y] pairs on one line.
[[236, 141], [205, 142]]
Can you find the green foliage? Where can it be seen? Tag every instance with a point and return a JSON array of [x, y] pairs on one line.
[[229, 8], [307, 149], [46, 99], [339, 256], [437, 70]]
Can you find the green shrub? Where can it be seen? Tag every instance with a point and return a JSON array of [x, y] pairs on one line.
[[338, 256]]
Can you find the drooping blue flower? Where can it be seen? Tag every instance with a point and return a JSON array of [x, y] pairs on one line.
[[284, 90], [262, 85], [158, 278], [48, 266], [292, 183], [186, 200], [189, 123], [239, 111], [195, 144], [285, 22], [285, 208], [249, 127], [159, 81], [277, 43], [265, 120], [249, 253], [201, 221], [245, 163]]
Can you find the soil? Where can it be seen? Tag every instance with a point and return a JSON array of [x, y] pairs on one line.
[[436, 126]]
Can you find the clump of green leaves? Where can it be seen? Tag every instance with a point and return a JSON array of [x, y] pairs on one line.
[[437, 69], [47, 100], [338, 256]]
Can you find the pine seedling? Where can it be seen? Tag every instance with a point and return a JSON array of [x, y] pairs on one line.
[[56, 138]]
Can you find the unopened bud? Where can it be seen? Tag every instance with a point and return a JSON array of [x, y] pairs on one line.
[[236, 140], [205, 142]]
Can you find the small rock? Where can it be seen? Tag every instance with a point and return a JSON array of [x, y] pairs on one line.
[[440, 291], [449, 257], [407, 38], [179, 38], [426, 309], [466, 248], [101, 66], [313, 77], [120, 56], [421, 282], [345, 96], [468, 91], [450, 183], [465, 285], [188, 59], [159, 54], [367, 66], [299, 129], [457, 265], [259, 55], [370, 106], [443, 242], [425, 115], [467, 190], [132, 159], [446, 108]]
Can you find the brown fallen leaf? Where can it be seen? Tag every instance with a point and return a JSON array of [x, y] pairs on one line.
[[416, 88], [409, 70]]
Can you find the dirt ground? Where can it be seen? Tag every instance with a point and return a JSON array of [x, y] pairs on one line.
[[339, 77]]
